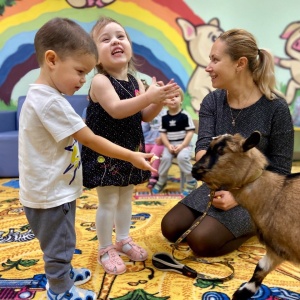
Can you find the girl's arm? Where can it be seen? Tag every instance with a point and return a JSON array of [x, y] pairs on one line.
[[151, 111], [103, 92], [101, 145]]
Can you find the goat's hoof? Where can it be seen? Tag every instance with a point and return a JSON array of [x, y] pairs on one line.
[[242, 294]]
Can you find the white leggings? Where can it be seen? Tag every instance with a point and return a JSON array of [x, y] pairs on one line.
[[115, 208]]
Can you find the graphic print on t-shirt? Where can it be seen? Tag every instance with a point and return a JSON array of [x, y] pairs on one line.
[[75, 159]]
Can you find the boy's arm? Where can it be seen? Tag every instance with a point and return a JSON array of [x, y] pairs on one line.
[[188, 138], [164, 139], [101, 145]]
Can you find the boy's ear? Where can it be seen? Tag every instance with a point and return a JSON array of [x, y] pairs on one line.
[[50, 58]]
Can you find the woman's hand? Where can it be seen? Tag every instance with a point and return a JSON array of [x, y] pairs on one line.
[[224, 200]]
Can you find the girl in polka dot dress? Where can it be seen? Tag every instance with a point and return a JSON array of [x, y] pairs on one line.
[[118, 104]]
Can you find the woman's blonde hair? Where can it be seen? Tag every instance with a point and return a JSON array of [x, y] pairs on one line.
[[241, 43], [101, 23]]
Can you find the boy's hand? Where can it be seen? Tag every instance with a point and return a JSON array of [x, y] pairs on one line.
[[178, 148], [142, 161], [171, 148]]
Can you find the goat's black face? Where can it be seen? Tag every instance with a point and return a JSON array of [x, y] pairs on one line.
[[209, 159]]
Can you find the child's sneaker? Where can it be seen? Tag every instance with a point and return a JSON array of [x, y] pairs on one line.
[[158, 187], [189, 187], [80, 275], [131, 250], [74, 293], [152, 182], [110, 260]]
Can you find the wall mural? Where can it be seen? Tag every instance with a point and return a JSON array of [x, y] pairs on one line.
[[169, 41], [199, 40], [292, 49], [157, 38]]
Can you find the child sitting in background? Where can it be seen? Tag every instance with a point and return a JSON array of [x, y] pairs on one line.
[[176, 132], [153, 142]]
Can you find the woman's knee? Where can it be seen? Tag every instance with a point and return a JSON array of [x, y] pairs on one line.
[[204, 247], [168, 228], [210, 238], [177, 221]]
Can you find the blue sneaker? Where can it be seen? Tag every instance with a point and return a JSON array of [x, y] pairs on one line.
[[80, 275], [158, 187], [72, 294], [189, 187]]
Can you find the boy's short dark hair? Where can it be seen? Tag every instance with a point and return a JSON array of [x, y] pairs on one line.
[[65, 37]]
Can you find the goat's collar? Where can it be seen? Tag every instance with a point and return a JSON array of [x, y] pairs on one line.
[[251, 179]]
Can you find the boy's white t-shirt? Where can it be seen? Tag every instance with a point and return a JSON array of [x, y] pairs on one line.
[[49, 157]]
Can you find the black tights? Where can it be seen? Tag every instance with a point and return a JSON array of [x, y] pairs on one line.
[[210, 238]]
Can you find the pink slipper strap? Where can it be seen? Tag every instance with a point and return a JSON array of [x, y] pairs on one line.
[[136, 253], [114, 264]]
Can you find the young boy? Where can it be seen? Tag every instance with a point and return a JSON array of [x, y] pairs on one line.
[[49, 158], [176, 132]]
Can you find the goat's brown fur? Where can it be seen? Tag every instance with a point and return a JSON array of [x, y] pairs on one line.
[[233, 163]]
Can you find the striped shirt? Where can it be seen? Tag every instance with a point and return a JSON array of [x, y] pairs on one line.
[[177, 125]]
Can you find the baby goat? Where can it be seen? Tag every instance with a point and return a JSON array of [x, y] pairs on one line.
[[233, 163]]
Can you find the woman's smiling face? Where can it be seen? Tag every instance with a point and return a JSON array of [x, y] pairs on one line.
[[221, 68]]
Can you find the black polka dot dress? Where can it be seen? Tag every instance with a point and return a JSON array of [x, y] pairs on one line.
[[101, 170]]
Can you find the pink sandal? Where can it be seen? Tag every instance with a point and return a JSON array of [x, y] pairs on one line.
[[135, 253], [114, 263]]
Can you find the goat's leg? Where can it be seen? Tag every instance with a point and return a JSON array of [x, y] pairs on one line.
[[265, 265]]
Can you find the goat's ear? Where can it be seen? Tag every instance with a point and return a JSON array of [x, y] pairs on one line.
[[251, 141]]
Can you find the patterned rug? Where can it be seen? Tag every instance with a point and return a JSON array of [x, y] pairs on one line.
[[22, 275]]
